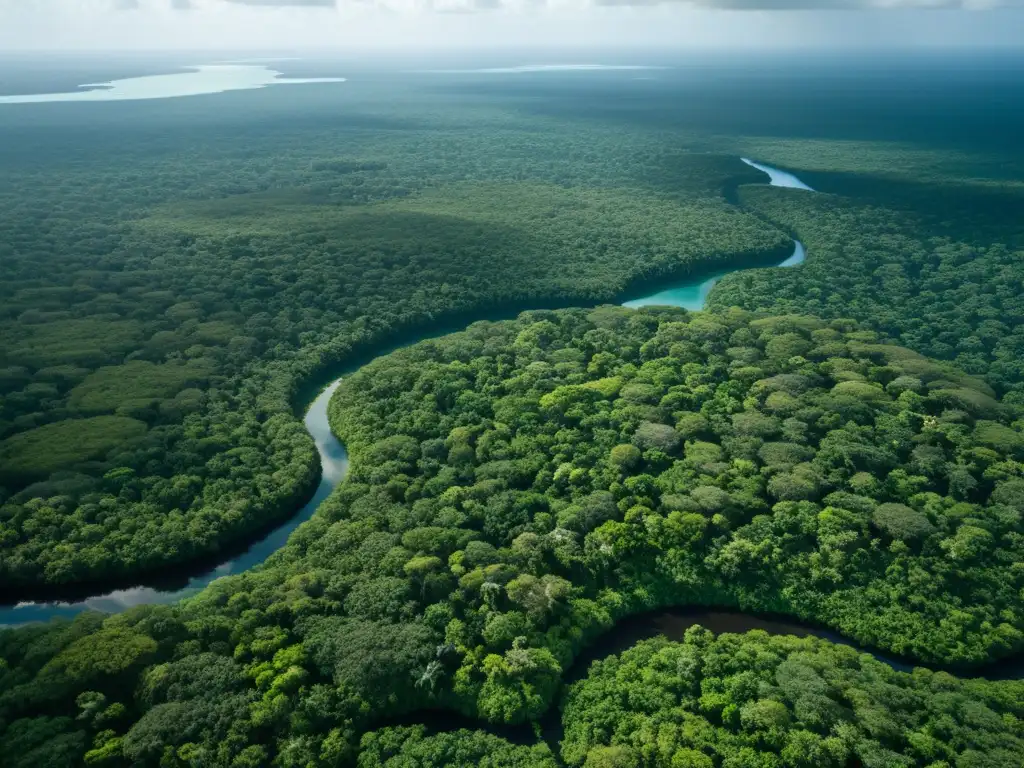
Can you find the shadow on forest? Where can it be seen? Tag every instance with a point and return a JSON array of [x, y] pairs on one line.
[[672, 624]]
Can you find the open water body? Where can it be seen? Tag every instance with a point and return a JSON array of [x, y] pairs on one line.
[[194, 81], [672, 623]]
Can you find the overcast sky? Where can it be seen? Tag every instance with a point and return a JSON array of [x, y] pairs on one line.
[[454, 24]]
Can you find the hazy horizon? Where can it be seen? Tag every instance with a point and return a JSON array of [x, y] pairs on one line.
[[468, 25]]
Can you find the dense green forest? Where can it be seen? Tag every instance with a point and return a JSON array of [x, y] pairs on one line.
[[167, 293], [412, 746], [841, 443], [694, 429], [160, 343], [754, 700], [953, 298], [519, 487]]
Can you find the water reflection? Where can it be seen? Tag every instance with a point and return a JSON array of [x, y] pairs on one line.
[[540, 68]]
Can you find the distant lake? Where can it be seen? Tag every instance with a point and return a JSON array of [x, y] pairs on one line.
[[194, 81]]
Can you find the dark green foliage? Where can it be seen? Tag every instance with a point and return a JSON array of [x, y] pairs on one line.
[[135, 385], [172, 728], [902, 522], [519, 488], [166, 281], [471, 574], [745, 700], [379, 660], [953, 297], [38, 741], [413, 748], [37, 453], [818, 527]]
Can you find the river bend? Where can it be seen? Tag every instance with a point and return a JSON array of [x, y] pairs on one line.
[[690, 293]]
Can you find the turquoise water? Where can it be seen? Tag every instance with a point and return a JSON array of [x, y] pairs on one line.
[[693, 293], [689, 294]]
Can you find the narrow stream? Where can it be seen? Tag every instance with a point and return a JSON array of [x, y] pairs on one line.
[[690, 294], [693, 295]]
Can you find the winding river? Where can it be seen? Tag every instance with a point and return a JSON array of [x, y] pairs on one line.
[[690, 294], [693, 294], [334, 466], [672, 623]]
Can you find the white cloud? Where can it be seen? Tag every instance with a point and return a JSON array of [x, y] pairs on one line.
[[286, 3], [405, 24]]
